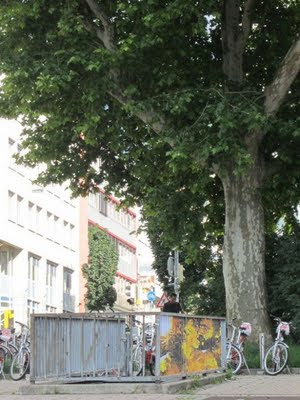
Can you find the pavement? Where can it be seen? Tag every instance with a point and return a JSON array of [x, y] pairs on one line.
[[281, 387]]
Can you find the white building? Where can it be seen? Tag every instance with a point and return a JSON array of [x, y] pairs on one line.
[[39, 238]]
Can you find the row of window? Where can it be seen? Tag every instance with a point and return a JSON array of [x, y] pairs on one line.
[[6, 269], [110, 209], [40, 221], [51, 268], [31, 173]]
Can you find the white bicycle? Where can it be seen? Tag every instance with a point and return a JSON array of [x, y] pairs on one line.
[[235, 346], [277, 355]]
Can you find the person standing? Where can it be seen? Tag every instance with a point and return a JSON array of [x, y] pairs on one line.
[[172, 306]]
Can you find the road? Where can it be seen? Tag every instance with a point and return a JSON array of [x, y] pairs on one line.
[[282, 387]]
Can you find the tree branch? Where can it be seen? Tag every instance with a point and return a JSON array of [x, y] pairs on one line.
[[232, 54], [149, 116], [106, 35], [247, 20], [284, 77]]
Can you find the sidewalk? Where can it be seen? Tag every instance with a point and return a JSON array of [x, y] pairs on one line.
[[280, 387]]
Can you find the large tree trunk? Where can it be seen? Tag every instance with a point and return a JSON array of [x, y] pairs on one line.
[[244, 247]]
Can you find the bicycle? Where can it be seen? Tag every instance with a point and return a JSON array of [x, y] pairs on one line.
[[21, 361], [277, 355], [235, 346], [7, 349], [141, 352]]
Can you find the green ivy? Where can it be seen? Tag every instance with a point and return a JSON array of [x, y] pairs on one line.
[[100, 271]]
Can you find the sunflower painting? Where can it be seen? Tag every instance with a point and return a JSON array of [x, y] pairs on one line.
[[189, 345]]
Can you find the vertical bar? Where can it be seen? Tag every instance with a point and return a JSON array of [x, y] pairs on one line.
[[157, 355], [32, 349], [119, 352], [46, 359], [70, 342], [223, 345], [95, 347], [130, 346], [106, 346], [262, 349], [81, 349], [144, 346], [184, 358]]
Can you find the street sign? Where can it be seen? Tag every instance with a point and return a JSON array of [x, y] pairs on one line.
[[170, 266], [164, 299], [151, 296]]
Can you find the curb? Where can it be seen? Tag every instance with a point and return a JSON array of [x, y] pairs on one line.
[[121, 388]]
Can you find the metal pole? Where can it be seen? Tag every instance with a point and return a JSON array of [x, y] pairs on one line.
[[262, 349], [176, 273]]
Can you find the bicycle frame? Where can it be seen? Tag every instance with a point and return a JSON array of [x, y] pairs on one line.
[[237, 341]]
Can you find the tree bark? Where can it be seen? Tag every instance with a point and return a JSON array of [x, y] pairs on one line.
[[244, 246]]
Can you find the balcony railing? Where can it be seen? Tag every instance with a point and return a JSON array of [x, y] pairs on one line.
[[69, 302]]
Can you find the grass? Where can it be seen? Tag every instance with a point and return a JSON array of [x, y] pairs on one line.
[[251, 352]]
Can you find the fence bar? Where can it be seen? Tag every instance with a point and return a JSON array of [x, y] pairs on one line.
[[262, 349]]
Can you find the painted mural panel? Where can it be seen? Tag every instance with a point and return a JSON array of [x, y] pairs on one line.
[[189, 344]]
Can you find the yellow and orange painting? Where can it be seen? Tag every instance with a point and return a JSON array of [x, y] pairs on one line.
[[189, 345]]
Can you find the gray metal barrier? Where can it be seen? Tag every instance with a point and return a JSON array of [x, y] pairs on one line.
[[124, 346]]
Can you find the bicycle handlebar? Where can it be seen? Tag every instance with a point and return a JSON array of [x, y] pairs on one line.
[[21, 324]]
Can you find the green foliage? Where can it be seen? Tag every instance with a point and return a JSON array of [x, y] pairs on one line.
[[80, 102], [100, 271], [282, 268]]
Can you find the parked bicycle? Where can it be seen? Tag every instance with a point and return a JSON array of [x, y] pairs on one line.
[[8, 349], [235, 346], [21, 361], [143, 349], [277, 355]]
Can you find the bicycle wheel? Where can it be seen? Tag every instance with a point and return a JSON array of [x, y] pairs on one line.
[[3, 353], [137, 361], [276, 359], [234, 358], [20, 364]]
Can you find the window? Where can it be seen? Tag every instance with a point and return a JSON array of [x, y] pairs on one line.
[[39, 220], [71, 236], [33, 265], [32, 307], [50, 225], [31, 217], [5, 302], [11, 150], [93, 199], [67, 281], [20, 212], [12, 206], [56, 229], [4, 263], [102, 204], [51, 309], [51, 274]]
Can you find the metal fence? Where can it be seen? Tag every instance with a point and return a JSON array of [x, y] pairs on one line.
[[124, 346]]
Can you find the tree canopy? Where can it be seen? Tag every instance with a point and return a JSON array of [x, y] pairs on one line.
[[201, 93]]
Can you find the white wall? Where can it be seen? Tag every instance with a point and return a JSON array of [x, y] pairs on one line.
[[44, 224]]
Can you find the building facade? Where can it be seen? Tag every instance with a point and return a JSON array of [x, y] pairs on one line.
[[39, 238], [44, 240], [120, 225]]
